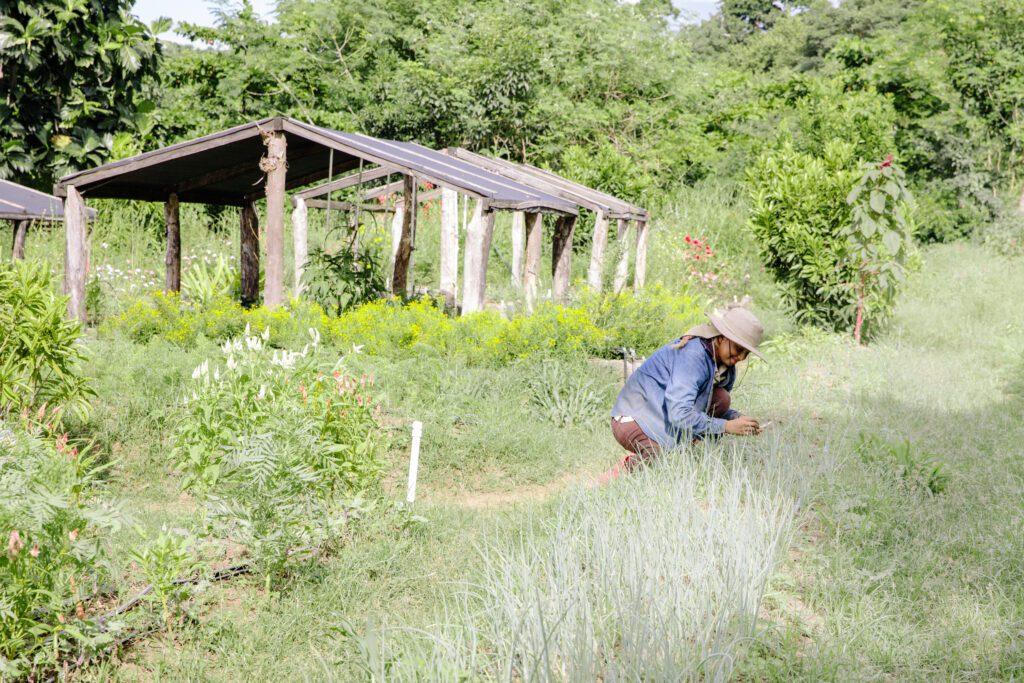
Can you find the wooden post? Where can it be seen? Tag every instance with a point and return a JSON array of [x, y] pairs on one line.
[[561, 256], [396, 237], [595, 275], [400, 277], [172, 260], [75, 252], [531, 274], [640, 267], [20, 233], [249, 259], [449, 245], [518, 244], [478, 250], [300, 241], [275, 164], [622, 267]]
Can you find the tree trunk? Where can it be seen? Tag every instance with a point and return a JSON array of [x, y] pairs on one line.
[[300, 241], [595, 275], [403, 255], [860, 311], [18, 245], [531, 275], [518, 240], [478, 250], [561, 256], [172, 259], [75, 253], [249, 257], [622, 267], [275, 165], [640, 267], [449, 246]]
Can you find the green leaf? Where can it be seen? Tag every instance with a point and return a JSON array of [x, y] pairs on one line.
[[892, 242], [877, 201]]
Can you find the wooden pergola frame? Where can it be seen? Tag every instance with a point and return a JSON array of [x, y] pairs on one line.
[[23, 206], [267, 158]]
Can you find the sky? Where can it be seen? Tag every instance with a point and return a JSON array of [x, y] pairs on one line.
[[198, 11]]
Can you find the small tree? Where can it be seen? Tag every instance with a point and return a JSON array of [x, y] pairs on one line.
[[879, 238]]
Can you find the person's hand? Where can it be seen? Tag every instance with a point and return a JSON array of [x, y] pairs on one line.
[[743, 425]]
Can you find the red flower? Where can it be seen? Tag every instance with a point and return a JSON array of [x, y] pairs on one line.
[[688, 240], [888, 161]]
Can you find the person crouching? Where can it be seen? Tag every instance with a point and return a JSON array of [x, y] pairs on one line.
[[681, 392]]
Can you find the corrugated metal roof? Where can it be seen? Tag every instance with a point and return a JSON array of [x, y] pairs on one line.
[[18, 202], [223, 168]]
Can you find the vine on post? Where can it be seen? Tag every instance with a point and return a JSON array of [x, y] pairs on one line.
[[879, 238]]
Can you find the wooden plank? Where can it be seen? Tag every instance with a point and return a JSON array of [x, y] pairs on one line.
[[275, 164], [595, 274], [18, 244], [561, 257], [249, 258], [403, 253], [640, 266], [449, 246], [531, 270], [215, 176], [75, 253], [300, 229], [479, 234], [622, 266], [518, 245], [347, 181], [172, 259]]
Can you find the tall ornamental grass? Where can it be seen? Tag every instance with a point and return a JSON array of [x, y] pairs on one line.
[[657, 577]]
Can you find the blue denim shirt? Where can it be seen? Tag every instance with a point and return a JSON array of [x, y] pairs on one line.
[[668, 395]]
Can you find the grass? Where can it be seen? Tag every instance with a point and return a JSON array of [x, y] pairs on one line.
[[865, 572]]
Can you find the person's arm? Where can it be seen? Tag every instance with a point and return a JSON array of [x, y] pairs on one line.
[[689, 373], [727, 384]]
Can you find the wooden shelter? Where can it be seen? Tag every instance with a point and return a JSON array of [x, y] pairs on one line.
[[605, 207], [236, 167], [22, 206]]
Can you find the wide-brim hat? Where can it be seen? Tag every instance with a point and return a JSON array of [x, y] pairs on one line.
[[741, 326]]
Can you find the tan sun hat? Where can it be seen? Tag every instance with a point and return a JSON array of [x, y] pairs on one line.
[[738, 324]]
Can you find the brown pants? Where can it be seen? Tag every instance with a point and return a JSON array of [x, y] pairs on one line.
[[642, 447]]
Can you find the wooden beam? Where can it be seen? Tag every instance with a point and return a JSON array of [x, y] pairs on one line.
[[347, 181], [275, 164], [403, 254], [216, 176], [640, 266], [18, 244], [622, 266], [531, 271], [449, 246], [518, 245], [595, 274], [478, 249], [75, 252], [249, 258], [396, 237], [172, 259], [299, 242], [561, 256]]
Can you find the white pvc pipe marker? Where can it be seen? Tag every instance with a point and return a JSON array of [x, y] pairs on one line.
[[414, 460]]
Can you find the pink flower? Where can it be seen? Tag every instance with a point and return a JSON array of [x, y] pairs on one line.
[[888, 161], [73, 535], [14, 544], [688, 240], [35, 550]]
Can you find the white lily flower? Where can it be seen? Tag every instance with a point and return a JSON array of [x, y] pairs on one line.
[[314, 334], [232, 363], [247, 332], [263, 391], [357, 348], [266, 334]]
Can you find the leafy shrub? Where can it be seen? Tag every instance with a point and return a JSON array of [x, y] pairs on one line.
[[203, 284], [564, 395], [38, 347], [798, 215], [277, 446], [164, 560], [644, 321], [879, 240], [915, 470], [343, 280], [56, 540]]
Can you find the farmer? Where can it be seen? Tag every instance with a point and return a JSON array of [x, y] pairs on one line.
[[682, 391]]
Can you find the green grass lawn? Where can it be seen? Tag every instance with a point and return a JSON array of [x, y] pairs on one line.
[[905, 558]]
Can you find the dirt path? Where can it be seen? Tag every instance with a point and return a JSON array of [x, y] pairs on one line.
[[527, 494]]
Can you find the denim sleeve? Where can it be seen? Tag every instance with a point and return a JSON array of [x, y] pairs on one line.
[[732, 414], [689, 373]]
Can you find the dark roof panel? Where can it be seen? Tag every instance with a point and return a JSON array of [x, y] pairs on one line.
[[18, 202]]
